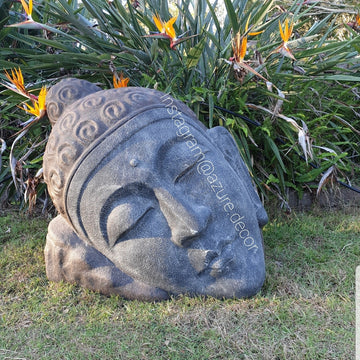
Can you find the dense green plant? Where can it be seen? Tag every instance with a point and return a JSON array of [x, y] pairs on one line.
[[280, 110]]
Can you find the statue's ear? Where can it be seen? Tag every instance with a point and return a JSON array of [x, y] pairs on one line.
[[226, 143]]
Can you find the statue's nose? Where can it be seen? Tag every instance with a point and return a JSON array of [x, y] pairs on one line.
[[186, 220]]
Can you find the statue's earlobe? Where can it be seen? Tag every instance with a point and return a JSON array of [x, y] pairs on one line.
[[225, 142]]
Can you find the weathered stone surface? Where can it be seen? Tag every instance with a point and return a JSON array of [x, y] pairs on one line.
[[70, 259], [151, 202]]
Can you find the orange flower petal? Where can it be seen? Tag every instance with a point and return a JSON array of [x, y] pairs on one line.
[[158, 22], [169, 27], [239, 45], [42, 98], [247, 24], [281, 31], [291, 29], [32, 110], [256, 33], [243, 48], [28, 8], [25, 6], [120, 82], [16, 78], [287, 31]]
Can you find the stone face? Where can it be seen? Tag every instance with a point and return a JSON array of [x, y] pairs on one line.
[[151, 202]]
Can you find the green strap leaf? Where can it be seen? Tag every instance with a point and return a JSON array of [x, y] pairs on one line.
[[276, 152], [195, 54], [232, 16]]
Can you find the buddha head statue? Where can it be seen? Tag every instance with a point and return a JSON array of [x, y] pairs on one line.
[[151, 203]]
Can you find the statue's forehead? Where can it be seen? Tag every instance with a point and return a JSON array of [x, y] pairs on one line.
[[162, 142], [144, 147]]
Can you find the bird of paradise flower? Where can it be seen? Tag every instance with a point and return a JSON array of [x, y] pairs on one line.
[[167, 31], [16, 83], [29, 23], [285, 34], [38, 107], [239, 46], [120, 81]]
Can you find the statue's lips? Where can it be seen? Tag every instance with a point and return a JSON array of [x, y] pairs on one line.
[[215, 263], [220, 264]]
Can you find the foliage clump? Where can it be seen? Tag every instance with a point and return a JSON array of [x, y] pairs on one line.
[[279, 77]]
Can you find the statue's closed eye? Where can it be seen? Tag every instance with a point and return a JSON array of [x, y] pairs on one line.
[[186, 169], [125, 217]]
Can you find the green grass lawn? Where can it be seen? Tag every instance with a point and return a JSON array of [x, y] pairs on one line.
[[305, 310]]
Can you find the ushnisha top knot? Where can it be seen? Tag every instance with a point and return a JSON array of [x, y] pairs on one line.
[[64, 93], [81, 113]]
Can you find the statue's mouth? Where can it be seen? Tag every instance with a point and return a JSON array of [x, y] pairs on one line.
[[221, 264], [214, 263]]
